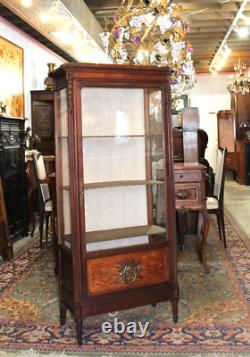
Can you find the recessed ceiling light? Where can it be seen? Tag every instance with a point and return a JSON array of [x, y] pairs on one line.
[[44, 18], [63, 36], [246, 19], [27, 3], [242, 31]]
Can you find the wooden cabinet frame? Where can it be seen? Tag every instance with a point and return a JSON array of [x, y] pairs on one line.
[[119, 276]]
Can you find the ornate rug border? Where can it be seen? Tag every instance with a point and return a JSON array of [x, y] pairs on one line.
[[168, 347]]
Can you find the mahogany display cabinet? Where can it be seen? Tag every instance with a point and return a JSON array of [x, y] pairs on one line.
[[113, 128]]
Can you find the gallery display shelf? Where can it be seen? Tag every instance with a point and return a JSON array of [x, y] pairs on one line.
[[93, 185], [127, 235]]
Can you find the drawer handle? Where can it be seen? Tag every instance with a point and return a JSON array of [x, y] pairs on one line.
[[181, 176], [129, 271], [181, 195]]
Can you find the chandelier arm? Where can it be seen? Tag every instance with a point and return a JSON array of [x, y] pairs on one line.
[[148, 31], [117, 24], [130, 3]]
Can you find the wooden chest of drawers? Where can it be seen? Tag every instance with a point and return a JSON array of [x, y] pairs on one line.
[[189, 186]]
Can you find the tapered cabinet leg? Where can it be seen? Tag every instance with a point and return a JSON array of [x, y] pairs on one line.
[[174, 303], [79, 330], [63, 311]]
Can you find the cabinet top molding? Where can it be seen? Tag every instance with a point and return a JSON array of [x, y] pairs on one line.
[[149, 75]]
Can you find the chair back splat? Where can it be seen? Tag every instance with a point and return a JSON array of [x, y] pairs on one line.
[[215, 204], [43, 194]]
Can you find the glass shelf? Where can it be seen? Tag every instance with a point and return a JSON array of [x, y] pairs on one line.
[[122, 136], [120, 237], [92, 185]]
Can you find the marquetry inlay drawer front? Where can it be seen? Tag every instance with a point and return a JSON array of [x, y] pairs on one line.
[[188, 176], [127, 271], [188, 195]]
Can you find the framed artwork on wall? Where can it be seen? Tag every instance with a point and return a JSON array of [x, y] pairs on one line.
[[180, 103], [11, 74]]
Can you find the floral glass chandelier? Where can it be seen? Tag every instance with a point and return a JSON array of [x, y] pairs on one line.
[[240, 81], [152, 33]]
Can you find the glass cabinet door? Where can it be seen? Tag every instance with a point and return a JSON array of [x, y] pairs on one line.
[[123, 154], [62, 170]]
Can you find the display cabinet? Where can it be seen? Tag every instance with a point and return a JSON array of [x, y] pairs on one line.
[[12, 172], [113, 129]]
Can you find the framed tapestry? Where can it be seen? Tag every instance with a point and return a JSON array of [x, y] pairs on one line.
[[11, 74]]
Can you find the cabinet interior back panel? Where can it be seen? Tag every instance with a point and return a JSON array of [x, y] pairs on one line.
[[107, 111], [115, 207], [114, 159]]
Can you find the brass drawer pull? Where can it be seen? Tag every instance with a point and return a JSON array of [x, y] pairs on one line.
[[182, 195], [129, 271]]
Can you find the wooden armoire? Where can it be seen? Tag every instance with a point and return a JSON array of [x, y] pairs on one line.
[[113, 129], [226, 123], [241, 105], [42, 119], [233, 135]]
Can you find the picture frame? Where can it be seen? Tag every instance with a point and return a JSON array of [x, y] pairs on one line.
[[180, 103], [11, 74]]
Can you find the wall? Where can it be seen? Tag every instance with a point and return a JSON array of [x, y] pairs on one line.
[[36, 57], [210, 95]]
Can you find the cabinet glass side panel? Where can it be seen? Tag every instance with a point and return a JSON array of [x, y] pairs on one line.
[[120, 159], [156, 148], [62, 174]]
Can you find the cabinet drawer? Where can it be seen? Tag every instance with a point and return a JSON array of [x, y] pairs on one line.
[[188, 176], [188, 195], [127, 271]]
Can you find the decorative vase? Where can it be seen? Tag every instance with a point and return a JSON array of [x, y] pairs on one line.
[[49, 83]]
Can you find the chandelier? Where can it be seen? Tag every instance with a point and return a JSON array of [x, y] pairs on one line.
[[152, 33], [240, 80]]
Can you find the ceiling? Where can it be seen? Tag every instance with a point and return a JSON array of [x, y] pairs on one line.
[[209, 22]]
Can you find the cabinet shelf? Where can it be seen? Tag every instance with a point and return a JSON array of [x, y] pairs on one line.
[[120, 233], [121, 136], [88, 186], [93, 185], [116, 136]]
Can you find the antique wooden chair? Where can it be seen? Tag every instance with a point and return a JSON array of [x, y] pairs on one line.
[[45, 205], [215, 203]]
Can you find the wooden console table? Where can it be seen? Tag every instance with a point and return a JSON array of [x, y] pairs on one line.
[[190, 196]]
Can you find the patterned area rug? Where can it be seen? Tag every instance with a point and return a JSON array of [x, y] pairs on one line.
[[213, 309]]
